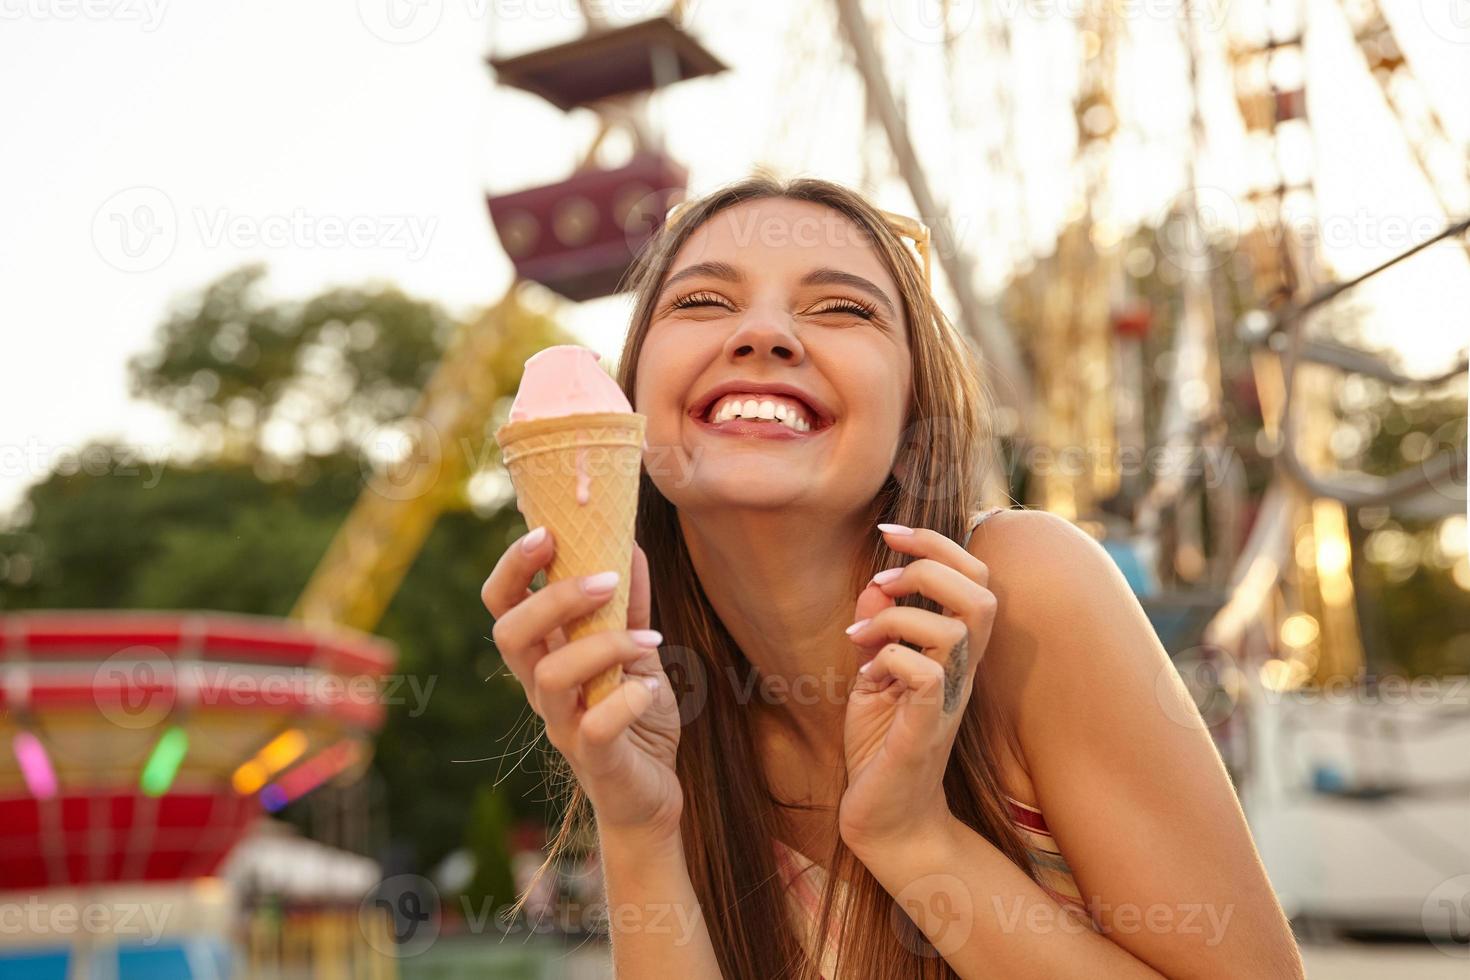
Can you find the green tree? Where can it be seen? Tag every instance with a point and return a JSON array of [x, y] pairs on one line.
[[273, 397], [488, 839]]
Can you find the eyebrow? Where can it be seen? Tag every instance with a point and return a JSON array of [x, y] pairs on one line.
[[817, 277], [714, 270]]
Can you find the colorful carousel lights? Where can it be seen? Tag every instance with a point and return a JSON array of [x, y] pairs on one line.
[[306, 777], [278, 753], [164, 761], [35, 765]]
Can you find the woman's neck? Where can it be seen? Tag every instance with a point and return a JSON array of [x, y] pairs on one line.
[[780, 583]]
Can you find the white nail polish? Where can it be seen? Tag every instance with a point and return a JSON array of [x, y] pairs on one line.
[[600, 583]]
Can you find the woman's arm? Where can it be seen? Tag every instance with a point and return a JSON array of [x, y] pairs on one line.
[[988, 919], [654, 920], [621, 749], [1131, 784], [980, 912]]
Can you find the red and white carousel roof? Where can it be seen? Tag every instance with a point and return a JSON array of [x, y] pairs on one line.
[[139, 745]]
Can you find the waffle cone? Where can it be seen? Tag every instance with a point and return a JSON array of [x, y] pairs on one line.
[[549, 461]]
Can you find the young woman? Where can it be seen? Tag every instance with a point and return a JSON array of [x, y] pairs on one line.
[[909, 739]]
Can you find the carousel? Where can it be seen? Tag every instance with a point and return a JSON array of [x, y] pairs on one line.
[[142, 748]]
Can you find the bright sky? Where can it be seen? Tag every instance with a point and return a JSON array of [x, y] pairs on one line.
[[152, 145]]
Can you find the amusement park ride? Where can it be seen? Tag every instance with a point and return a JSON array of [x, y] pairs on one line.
[[91, 696], [144, 746]]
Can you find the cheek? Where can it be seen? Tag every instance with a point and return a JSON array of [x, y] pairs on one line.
[[667, 366], [872, 378], [892, 395], [875, 387]]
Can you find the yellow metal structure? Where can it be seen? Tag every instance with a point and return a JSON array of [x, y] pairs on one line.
[[426, 459]]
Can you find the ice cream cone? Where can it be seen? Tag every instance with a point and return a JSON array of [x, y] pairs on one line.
[[577, 476]]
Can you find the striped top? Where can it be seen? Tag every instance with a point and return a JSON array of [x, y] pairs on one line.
[[803, 879]]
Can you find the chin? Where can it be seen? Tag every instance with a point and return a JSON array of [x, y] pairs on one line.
[[733, 485]]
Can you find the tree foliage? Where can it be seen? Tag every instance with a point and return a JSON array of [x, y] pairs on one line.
[[241, 526]]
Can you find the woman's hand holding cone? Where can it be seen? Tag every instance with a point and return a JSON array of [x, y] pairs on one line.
[[622, 748]]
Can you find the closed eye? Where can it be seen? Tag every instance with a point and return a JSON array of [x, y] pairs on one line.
[[844, 305], [849, 306], [692, 300]]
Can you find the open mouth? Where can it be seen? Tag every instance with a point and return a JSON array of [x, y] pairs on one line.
[[781, 410], [761, 413]]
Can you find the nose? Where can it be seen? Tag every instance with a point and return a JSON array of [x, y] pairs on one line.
[[762, 334]]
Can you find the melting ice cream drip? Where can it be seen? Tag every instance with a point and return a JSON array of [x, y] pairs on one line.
[[584, 482]]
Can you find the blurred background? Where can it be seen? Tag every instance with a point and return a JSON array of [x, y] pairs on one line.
[[268, 273]]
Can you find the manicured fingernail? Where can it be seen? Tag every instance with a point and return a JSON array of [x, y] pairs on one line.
[[856, 626], [646, 638], [895, 529], [887, 575], [651, 683], [600, 583], [532, 540], [864, 668]]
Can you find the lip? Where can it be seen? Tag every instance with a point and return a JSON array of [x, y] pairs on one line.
[[821, 415]]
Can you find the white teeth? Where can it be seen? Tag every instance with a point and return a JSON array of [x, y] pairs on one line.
[[783, 411]]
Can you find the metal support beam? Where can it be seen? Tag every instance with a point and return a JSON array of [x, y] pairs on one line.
[[1008, 377]]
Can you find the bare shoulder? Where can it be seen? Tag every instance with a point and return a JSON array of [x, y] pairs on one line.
[[1059, 597], [1045, 563]]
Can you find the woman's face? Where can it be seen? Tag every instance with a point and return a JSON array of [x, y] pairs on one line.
[[775, 372]]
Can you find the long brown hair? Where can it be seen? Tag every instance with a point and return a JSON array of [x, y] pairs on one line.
[[730, 815]]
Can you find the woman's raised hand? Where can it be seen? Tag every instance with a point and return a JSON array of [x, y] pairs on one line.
[[622, 748], [904, 710]]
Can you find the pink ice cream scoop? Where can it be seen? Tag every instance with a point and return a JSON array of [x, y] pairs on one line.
[[566, 380], [574, 450]]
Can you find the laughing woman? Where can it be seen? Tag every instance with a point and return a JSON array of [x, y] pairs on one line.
[[910, 738]]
